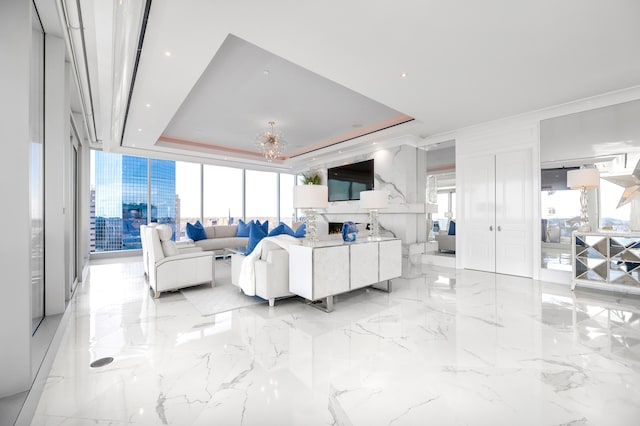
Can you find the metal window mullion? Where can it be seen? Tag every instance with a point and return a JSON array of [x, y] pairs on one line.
[[244, 194], [148, 191], [201, 193]]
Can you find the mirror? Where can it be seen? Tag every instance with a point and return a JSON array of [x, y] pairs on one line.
[[606, 138], [441, 203]]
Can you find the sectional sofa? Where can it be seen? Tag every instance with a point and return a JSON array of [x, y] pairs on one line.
[[220, 237]]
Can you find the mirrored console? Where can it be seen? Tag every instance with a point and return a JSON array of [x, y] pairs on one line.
[[606, 260]]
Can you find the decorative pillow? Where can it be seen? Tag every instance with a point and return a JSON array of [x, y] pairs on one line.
[[452, 228], [243, 228], [265, 226], [287, 229], [301, 231], [256, 234], [278, 230], [196, 231]]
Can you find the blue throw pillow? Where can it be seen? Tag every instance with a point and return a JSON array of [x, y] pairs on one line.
[[278, 230], [452, 228], [243, 228], [301, 231], [265, 226], [196, 231], [256, 234], [287, 229]]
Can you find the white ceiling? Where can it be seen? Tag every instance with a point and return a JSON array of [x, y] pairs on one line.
[[245, 87], [467, 62]]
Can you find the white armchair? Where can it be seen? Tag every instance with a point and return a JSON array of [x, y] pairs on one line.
[[171, 269], [271, 271]]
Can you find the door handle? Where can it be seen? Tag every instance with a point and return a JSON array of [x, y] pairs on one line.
[[499, 229], [490, 228]]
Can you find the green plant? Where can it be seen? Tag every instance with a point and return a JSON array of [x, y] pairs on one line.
[[311, 178]]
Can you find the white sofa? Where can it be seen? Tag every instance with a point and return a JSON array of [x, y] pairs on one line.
[[446, 243], [220, 237], [169, 269]]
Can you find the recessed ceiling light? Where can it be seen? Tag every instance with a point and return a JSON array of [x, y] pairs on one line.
[[139, 130], [167, 53], [266, 72], [375, 143], [403, 75], [148, 105]]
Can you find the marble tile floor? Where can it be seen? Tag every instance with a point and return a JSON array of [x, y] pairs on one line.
[[446, 347]]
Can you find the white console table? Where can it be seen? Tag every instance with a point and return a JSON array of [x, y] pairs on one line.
[[606, 261], [330, 268]]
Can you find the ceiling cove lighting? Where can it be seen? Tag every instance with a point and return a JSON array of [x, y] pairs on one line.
[[271, 143]]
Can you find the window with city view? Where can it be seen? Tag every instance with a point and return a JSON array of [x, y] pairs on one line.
[[128, 191], [262, 196], [222, 195]]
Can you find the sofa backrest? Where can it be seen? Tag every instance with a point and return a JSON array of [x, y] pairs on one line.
[[154, 246], [221, 231]]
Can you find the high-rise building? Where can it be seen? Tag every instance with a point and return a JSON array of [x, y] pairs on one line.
[[129, 192], [92, 219]]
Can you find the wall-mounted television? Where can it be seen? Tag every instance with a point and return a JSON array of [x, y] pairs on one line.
[[346, 182], [554, 179]]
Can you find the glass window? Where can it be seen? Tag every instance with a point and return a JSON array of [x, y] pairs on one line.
[[119, 201], [163, 193], [439, 219], [36, 171], [188, 201], [560, 215], [222, 195], [287, 212], [261, 196]]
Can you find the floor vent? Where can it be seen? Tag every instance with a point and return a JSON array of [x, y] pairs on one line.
[[102, 362]]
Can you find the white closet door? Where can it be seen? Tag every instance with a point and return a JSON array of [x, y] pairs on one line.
[[514, 213], [479, 207]]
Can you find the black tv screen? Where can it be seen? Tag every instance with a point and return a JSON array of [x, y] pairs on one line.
[[554, 179], [346, 182]]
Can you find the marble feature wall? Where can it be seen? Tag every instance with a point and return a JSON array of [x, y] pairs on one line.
[[399, 170]]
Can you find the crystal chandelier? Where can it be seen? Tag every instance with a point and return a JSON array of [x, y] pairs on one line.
[[271, 143]]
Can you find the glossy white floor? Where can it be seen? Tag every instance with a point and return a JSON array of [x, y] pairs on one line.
[[445, 347]]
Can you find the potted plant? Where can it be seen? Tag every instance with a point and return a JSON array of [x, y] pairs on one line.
[[311, 178]]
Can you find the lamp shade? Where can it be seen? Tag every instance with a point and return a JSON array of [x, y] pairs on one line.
[[310, 197], [375, 199], [583, 178]]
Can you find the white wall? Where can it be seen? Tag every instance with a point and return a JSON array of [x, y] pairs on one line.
[[401, 171], [15, 252]]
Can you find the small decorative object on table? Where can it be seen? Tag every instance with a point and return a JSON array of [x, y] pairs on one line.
[[349, 231]]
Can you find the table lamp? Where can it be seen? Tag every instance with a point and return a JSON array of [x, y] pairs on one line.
[[374, 200], [311, 198], [583, 179]]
